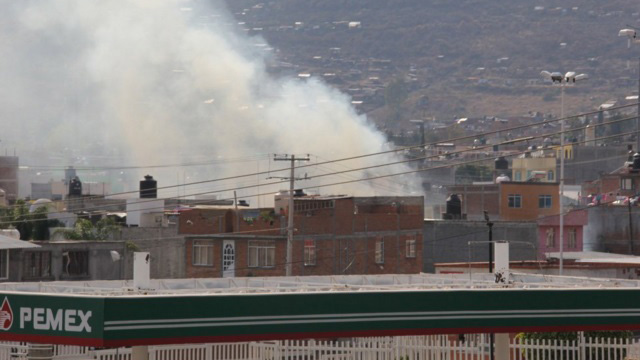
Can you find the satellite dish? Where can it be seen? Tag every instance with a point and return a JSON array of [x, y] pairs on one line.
[[115, 256]]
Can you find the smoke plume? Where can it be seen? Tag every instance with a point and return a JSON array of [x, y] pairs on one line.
[[147, 82]]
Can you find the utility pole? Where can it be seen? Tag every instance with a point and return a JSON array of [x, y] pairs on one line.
[[292, 179]]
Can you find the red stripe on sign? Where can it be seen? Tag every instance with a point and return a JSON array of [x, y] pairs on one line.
[[52, 339], [362, 333]]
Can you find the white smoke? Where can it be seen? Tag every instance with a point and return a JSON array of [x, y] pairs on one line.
[[148, 82]]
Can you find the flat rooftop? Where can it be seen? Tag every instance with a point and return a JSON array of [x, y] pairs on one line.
[[317, 284]]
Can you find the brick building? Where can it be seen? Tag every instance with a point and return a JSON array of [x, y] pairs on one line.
[[573, 232], [9, 177], [333, 235], [508, 200], [623, 182]]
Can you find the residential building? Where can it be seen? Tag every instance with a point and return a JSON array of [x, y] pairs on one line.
[[508, 200], [541, 168], [549, 232], [622, 182], [333, 235]]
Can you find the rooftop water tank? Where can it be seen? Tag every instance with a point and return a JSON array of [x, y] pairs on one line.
[[454, 207], [636, 162], [75, 187], [501, 163], [148, 188]]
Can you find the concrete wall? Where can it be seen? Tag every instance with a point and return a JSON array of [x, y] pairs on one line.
[[167, 257], [621, 271], [447, 241], [608, 229], [165, 246], [100, 264]]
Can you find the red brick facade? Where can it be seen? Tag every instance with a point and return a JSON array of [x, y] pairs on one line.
[[377, 235]]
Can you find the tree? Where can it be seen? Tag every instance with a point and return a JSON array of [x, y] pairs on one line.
[[395, 94], [21, 220], [86, 230], [31, 225], [40, 224]]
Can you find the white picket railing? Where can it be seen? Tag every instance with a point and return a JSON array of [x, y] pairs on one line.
[[13, 350], [437, 347]]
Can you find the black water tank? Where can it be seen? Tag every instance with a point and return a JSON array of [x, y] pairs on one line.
[[454, 207], [501, 163], [148, 188], [75, 187], [636, 162]]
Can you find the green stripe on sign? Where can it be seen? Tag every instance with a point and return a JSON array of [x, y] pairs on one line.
[[251, 315]]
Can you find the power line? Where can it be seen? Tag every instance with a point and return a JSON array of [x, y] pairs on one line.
[[401, 149], [353, 181], [391, 163]]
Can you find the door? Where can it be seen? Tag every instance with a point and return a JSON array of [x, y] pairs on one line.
[[228, 258]]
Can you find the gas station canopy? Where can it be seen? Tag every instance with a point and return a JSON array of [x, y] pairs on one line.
[[115, 313]]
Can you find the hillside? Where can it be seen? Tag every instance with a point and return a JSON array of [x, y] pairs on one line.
[[464, 58]]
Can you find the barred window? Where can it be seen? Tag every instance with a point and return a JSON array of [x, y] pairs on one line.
[[379, 251], [262, 253], [410, 246], [515, 200], [544, 201], [202, 253], [551, 238], [573, 242], [309, 252], [75, 263], [37, 264]]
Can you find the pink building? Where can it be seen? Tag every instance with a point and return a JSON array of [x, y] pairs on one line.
[[549, 232]]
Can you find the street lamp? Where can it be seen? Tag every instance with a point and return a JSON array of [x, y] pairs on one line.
[[490, 225], [633, 37], [569, 78]]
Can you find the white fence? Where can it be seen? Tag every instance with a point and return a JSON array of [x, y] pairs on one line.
[[475, 347]]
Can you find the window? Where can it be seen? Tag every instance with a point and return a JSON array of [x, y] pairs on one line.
[[515, 200], [551, 238], [550, 175], [410, 247], [544, 201], [626, 183], [262, 253], [202, 253], [572, 238], [75, 263], [309, 252], [4, 264], [379, 251], [518, 176], [37, 264]]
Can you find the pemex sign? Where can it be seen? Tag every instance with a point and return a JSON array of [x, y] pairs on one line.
[[51, 319], [109, 321]]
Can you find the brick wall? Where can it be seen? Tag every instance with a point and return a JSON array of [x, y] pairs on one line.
[[205, 221], [344, 237], [530, 193]]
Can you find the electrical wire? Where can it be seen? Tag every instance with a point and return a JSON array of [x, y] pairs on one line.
[[401, 149], [342, 182]]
